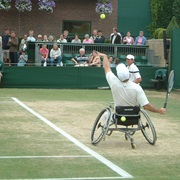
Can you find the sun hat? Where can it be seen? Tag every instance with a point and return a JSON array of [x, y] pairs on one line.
[[129, 56], [122, 72]]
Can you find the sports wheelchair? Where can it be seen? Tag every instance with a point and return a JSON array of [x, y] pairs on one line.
[[126, 119]]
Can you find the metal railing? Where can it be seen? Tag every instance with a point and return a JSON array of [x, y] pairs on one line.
[[71, 48]]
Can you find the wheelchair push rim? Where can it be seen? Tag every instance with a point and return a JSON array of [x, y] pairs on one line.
[[100, 126], [147, 128]]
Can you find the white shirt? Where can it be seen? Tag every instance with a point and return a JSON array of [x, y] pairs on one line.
[[114, 37], [62, 41], [54, 54], [126, 94], [134, 72], [30, 38]]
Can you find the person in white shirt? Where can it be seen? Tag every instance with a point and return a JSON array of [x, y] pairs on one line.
[[31, 36], [133, 70], [62, 39], [55, 55], [124, 91]]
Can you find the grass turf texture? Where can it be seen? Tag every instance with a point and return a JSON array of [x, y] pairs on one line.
[[22, 134]]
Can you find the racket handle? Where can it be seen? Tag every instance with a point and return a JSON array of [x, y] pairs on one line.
[[165, 104]]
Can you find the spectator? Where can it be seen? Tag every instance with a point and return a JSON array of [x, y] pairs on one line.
[[87, 40], [94, 34], [76, 39], [116, 61], [133, 70], [61, 39], [117, 33], [55, 55], [23, 43], [31, 36], [51, 38], [94, 59], [81, 60], [128, 39], [22, 59], [111, 61], [1, 69], [140, 40], [45, 38], [13, 48], [44, 55], [66, 36], [100, 38], [39, 38], [5, 47], [115, 38]]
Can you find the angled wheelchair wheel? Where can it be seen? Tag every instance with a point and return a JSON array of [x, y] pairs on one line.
[[147, 128], [100, 126]]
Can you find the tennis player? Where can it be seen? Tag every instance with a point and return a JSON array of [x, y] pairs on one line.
[[124, 91], [133, 69]]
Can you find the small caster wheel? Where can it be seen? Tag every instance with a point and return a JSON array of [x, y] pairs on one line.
[[133, 146], [126, 138], [109, 133]]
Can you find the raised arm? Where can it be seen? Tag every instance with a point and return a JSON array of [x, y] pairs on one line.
[[106, 63]]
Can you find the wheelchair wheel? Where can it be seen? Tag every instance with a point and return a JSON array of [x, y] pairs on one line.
[[148, 129], [100, 126]]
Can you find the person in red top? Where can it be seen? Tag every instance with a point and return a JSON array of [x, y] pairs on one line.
[[44, 51]]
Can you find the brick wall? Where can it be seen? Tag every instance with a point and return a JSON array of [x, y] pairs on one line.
[[51, 23]]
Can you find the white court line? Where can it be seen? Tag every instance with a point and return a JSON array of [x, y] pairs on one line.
[[38, 157], [103, 160], [89, 178]]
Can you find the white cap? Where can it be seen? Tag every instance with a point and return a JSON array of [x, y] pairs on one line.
[[122, 72], [129, 56]]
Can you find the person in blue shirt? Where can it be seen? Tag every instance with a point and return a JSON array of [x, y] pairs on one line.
[[22, 59], [100, 38], [140, 40]]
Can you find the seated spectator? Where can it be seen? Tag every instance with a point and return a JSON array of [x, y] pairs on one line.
[[55, 55], [128, 39], [23, 43], [65, 34], [81, 60], [45, 38], [140, 40], [87, 40], [94, 59], [31, 36], [61, 39], [1, 69], [76, 39], [22, 59], [51, 38], [115, 38], [113, 33], [116, 61], [100, 38], [39, 38], [44, 55], [94, 34], [111, 61]]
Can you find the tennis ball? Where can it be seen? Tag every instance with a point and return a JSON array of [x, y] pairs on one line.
[[123, 119], [102, 16]]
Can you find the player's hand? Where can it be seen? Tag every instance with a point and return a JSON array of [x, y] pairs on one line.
[[162, 111]]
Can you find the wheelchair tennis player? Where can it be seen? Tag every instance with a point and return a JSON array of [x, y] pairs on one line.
[[125, 92]]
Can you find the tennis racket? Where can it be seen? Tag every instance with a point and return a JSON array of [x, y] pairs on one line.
[[169, 87]]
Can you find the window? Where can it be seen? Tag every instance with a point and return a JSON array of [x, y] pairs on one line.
[[77, 27]]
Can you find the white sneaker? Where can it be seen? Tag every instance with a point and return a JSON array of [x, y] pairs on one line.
[[61, 63], [45, 64], [57, 65]]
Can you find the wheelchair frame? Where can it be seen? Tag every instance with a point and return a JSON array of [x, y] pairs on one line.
[[104, 126]]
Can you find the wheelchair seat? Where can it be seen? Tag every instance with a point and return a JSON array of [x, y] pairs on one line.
[[130, 114]]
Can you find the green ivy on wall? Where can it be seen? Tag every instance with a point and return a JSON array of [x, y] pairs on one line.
[[161, 13]]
